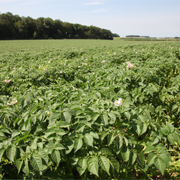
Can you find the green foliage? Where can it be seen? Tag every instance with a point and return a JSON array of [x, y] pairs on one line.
[[58, 119], [16, 27]]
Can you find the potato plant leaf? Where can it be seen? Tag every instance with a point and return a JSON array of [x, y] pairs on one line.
[[81, 165], [103, 135], [105, 118], [88, 139], [150, 158], [119, 142], [111, 138], [165, 156], [78, 144], [106, 151], [11, 152], [170, 127], [165, 131], [56, 157], [125, 153], [171, 139], [64, 124], [44, 155], [1, 153], [67, 116], [19, 163], [36, 162], [127, 115], [149, 149], [133, 157], [143, 128], [93, 165], [176, 137], [94, 135], [113, 117], [70, 146], [59, 146], [61, 132], [26, 167], [115, 164], [160, 164], [141, 159], [104, 163]]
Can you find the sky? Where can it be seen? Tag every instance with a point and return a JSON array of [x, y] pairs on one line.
[[154, 18]]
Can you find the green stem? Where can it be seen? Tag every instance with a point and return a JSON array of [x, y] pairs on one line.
[[85, 174]]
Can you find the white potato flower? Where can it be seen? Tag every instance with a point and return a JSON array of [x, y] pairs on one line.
[[14, 101], [118, 102], [129, 65], [47, 112], [7, 81]]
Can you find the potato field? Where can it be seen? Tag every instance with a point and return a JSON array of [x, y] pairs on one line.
[[89, 109]]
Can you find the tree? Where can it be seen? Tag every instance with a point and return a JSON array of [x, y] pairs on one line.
[[68, 30], [58, 29], [7, 25], [115, 35], [78, 31], [16, 27], [30, 27]]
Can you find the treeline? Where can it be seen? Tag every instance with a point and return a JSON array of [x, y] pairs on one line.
[[115, 35], [16, 27]]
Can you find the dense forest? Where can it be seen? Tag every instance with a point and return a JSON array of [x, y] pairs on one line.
[[16, 27]]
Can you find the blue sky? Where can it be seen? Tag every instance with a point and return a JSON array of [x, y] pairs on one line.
[[155, 18]]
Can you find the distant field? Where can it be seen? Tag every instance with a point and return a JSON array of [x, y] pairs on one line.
[[38, 45]]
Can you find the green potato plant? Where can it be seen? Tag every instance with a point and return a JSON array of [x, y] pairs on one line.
[[105, 112]]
